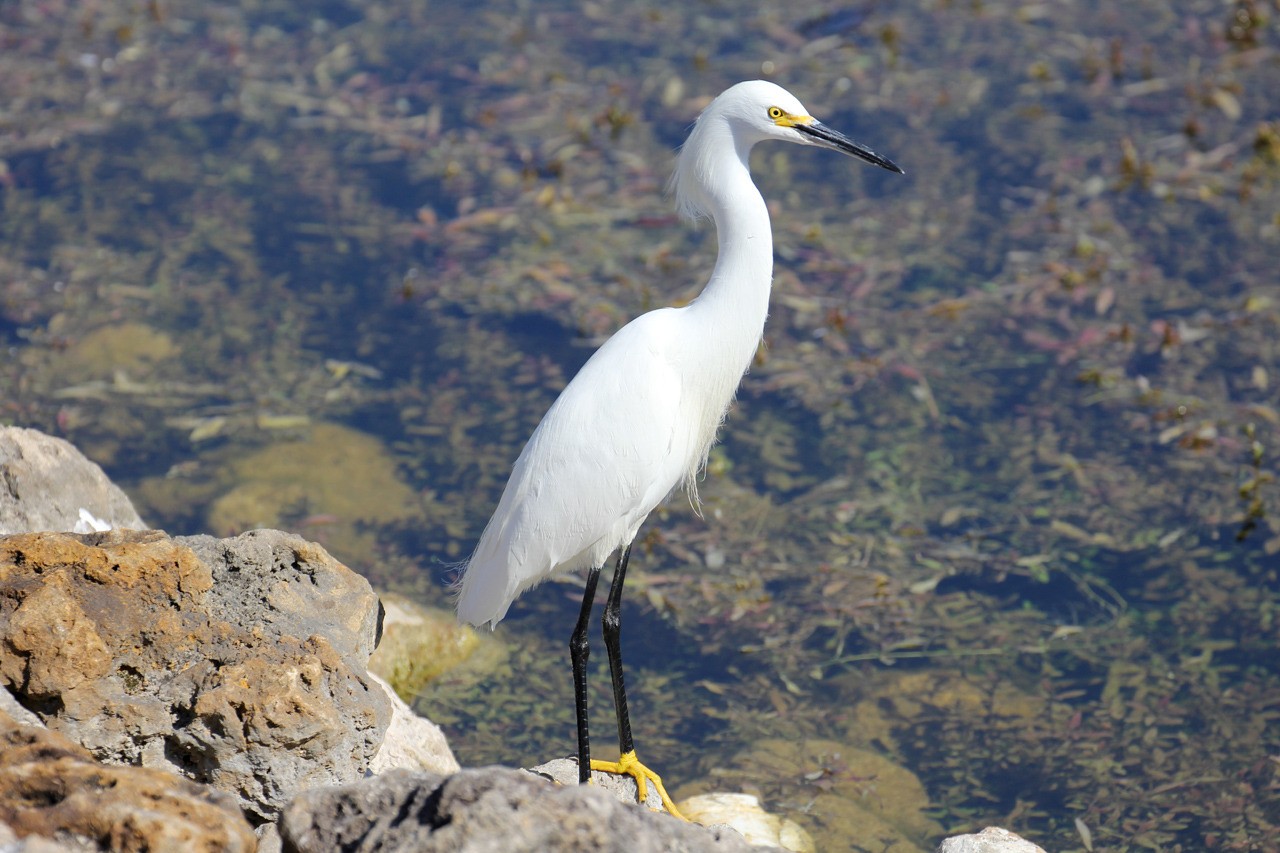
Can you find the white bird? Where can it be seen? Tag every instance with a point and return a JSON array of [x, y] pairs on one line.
[[641, 415]]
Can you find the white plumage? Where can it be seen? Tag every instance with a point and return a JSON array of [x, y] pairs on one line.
[[640, 417]]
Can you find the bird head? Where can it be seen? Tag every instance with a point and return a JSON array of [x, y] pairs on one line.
[[747, 113], [758, 110]]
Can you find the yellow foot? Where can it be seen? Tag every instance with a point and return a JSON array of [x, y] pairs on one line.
[[629, 765]]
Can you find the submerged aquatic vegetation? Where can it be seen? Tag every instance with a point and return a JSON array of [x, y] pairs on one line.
[[999, 497]]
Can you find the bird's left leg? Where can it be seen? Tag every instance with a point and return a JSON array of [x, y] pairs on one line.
[[579, 651], [627, 764]]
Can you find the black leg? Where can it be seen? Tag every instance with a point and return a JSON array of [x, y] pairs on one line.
[[627, 762], [612, 629], [578, 654]]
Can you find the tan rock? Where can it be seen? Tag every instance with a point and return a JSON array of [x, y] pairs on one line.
[[853, 794], [419, 644], [744, 813], [236, 662], [50, 787], [345, 480], [993, 839], [56, 645], [132, 348]]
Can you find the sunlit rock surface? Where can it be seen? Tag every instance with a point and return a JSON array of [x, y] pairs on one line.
[[993, 839], [412, 742], [492, 808], [45, 483], [744, 813], [564, 771], [236, 662], [421, 643]]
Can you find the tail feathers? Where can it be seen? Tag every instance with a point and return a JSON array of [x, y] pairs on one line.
[[482, 596]]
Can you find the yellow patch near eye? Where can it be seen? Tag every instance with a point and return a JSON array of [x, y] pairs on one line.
[[782, 118]]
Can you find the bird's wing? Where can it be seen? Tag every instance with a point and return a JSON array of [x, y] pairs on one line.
[[611, 447]]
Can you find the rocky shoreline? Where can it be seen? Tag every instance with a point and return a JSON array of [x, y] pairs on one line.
[[192, 693]]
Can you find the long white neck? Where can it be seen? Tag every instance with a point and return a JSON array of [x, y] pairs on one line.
[[733, 306]]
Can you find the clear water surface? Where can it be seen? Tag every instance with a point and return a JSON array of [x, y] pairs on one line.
[[991, 536]]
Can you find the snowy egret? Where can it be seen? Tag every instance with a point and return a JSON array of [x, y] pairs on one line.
[[641, 415]]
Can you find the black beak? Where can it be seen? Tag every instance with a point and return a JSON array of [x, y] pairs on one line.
[[822, 135]]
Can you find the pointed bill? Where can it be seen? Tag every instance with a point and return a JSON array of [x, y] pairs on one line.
[[819, 134]]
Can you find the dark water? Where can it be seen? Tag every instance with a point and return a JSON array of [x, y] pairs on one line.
[[996, 503]]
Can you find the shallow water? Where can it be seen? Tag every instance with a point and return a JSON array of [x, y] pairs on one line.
[[997, 502]]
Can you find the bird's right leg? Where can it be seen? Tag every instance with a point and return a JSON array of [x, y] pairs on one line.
[[627, 764], [578, 654]]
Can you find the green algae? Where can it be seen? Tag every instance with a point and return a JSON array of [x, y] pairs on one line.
[[1013, 427]]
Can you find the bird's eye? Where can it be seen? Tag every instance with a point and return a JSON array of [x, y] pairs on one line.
[[776, 113]]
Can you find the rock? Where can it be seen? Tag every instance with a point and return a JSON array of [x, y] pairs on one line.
[[269, 840], [419, 644], [411, 742], [486, 809], [564, 771], [51, 788], [20, 715], [744, 813], [740, 812], [11, 843], [127, 348], [238, 662], [993, 839], [854, 794], [45, 483], [348, 480], [281, 582]]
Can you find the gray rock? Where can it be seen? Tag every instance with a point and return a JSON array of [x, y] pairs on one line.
[[564, 771], [993, 839], [481, 810], [45, 482], [9, 705], [269, 839], [278, 582], [237, 663]]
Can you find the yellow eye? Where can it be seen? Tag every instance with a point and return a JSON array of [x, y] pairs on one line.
[[776, 113]]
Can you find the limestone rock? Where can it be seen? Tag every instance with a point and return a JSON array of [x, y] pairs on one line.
[[127, 348], [486, 809], [19, 714], [412, 742], [419, 644], [854, 793], [45, 482], [238, 662], [348, 478], [993, 839], [50, 789], [744, 813], [11, 843], [564, 771]]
